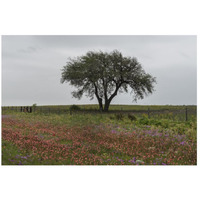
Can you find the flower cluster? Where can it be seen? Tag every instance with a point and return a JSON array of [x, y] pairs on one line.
[[104, 144]]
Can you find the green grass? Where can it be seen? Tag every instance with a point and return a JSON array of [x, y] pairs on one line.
[[118, 122], [81, 119], [175, 113], [13, 155], [112, 107]]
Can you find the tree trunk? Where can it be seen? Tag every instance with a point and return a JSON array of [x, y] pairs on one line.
[[98, 98], [106, 106], [100, 104], [107, 101]]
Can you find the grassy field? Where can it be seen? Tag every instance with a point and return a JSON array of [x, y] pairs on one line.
[[98, 139], [114, 107]]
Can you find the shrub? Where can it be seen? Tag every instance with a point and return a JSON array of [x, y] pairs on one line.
[[132, 117], [34, 107], [74, 108], [144, 121], [111, 117], [158, 123], [119, 116]]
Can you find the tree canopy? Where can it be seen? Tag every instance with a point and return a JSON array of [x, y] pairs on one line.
[[103, 75]]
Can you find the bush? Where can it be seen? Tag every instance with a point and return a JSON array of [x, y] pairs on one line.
[[74, 108], [34, 107], [111, 117], [119, 116], [132, 117], [144, 121]]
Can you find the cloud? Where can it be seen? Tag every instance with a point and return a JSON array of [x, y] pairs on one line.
[[30, 49]]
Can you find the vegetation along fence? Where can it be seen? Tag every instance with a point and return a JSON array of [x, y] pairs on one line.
[[183, 113]]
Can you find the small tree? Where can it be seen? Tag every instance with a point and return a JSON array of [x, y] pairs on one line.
[[103, 75], [34, 106]]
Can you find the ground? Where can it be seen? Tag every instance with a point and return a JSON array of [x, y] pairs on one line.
[[96, 139]]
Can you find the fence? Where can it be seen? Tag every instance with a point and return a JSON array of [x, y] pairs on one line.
[[183, 114]]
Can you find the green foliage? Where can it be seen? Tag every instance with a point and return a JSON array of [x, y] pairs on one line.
[[111, 117], [132, 117], [119, 116], [74, 108], [103, 75], [144, 120], [34, 105], [180, 129]]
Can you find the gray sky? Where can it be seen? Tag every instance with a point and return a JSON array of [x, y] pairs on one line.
[[31, 67]]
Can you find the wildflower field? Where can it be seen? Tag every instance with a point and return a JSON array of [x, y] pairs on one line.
[[96, 139]]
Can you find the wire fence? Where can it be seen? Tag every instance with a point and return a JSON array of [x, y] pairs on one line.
[[181, 114]]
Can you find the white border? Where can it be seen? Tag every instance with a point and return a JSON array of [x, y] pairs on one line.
[[102, 18]]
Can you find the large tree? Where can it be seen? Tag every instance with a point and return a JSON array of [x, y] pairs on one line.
[[103, 75]]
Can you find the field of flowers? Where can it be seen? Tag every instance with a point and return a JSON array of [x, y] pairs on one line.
[[38, 139]]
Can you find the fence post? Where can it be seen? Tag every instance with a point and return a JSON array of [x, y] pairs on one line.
[[186, 114]]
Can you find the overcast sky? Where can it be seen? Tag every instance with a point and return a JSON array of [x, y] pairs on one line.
[[31, 67]]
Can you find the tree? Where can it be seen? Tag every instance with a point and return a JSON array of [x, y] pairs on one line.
[[103, 75]]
